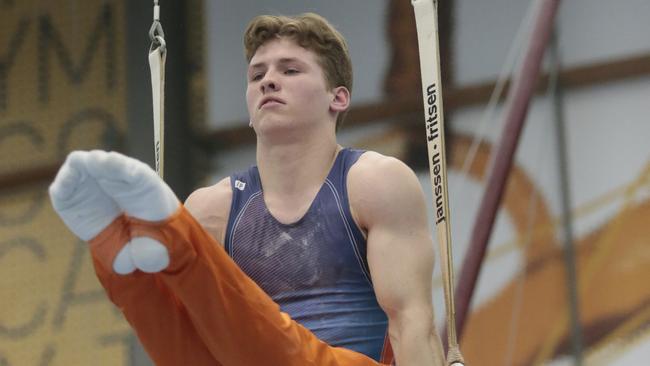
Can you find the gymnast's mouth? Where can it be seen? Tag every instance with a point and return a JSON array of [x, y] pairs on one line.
[[270, 101]]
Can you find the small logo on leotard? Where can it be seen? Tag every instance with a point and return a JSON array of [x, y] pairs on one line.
[[240, 185]]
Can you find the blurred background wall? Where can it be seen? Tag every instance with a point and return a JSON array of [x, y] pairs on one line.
[[74, 75]]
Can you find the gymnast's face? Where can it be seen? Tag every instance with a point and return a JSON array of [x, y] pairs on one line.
[[287, 88]]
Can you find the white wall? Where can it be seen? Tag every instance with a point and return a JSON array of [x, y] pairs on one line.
[[598, 30], [590, 31], [608, 127]]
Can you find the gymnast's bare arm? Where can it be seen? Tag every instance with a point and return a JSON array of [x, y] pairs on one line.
[[210, 206], [387, 201]]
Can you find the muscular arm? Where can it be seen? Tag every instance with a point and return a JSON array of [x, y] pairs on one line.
[[387, 201], [210, 206]]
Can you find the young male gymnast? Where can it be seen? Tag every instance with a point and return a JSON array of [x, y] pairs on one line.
[[318, 255]]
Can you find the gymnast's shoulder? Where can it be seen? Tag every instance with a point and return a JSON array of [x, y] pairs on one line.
[[382, 171], [378, 184], [210, 206]]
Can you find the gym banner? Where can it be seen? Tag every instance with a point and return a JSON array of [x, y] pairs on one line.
[[62, 87]]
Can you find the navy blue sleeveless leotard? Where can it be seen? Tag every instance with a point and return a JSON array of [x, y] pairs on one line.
[[315, 268]]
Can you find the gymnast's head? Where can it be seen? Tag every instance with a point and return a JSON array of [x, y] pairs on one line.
[[311, 32]]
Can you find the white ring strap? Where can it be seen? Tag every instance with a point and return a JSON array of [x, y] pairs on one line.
[[157, 58], [426, 20]]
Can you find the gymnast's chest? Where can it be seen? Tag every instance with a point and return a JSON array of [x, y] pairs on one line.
[[315, 252]]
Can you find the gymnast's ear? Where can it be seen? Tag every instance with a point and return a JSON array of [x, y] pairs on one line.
[[340, 99]]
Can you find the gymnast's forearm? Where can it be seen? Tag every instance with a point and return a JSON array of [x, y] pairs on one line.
[[415, 343]]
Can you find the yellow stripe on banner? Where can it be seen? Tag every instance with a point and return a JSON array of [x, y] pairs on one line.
[[617, 341]]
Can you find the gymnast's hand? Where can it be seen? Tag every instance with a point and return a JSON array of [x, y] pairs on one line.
[[94, 188]]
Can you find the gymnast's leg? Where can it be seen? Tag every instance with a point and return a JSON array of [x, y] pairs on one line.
[[158, 318]]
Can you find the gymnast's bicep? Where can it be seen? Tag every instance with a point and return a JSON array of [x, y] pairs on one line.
[[210, 206]]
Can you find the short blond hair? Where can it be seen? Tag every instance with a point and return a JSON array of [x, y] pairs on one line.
[[310, 31]]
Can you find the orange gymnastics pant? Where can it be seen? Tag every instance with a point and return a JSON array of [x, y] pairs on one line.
[[202, 309]]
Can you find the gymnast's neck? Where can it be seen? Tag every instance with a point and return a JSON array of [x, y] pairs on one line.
[[295, 161]]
